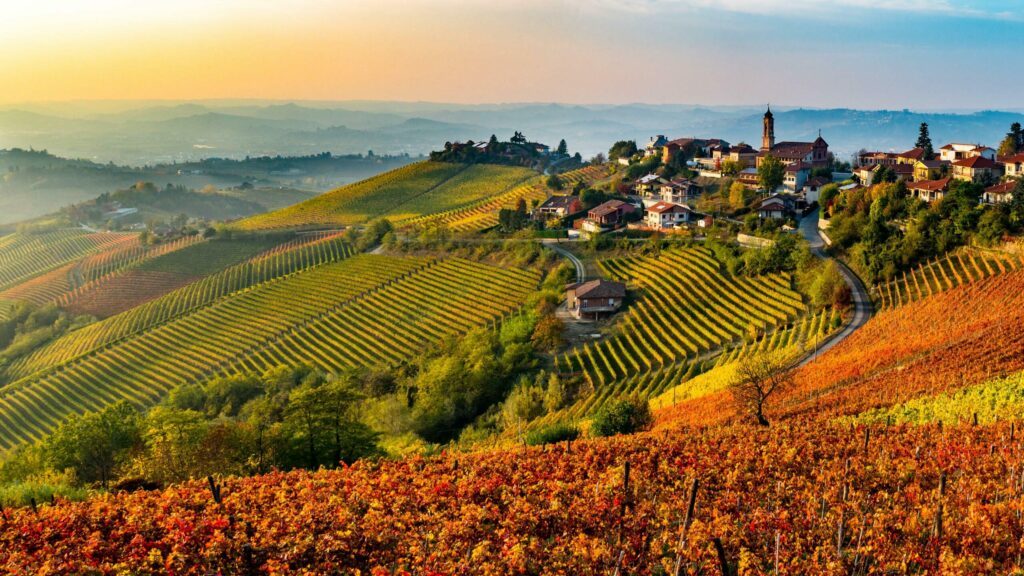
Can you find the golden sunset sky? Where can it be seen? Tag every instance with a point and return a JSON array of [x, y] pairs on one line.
[[725, 51]]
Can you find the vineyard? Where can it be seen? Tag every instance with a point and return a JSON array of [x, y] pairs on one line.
[[799, 498], [688, 312], [961, 337], [400, 195], [324, 309], [954, 269], [166, 268], [264, 267], [25, 256], [483, 214]]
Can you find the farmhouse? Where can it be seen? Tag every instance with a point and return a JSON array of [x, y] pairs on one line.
[[611, 214], [911, 156], [795, 176], [558, 207], [929, 169], [595, 298], [664, 215], [929, 190], [865, 159]]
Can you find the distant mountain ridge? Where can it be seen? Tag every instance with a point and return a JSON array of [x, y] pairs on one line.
[[177, 132]]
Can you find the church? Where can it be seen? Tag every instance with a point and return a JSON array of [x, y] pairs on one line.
[[813, 154]]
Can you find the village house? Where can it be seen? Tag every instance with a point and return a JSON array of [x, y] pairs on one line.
[[679, 191], [557, 207], [777, 207], [1013, 166], [749, 178], [1000, 193], [911, 156], [665, 215], [977, 169], [930, 169], [929, 190], [865, 173], [795, 176], [743, 154], [591, 300], [955, 152], [877, 159], [607, 216], [812, 188], [646, 186], [655, 145]]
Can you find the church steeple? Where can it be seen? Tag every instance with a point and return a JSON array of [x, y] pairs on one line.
[[768, 134]]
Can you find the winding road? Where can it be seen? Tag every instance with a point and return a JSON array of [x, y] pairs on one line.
[[862, 307], [581, 271]]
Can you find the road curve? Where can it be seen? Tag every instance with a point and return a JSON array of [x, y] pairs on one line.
[[862, 307], [581, 271]]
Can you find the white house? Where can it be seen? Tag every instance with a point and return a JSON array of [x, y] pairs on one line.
[[777, 207], [953, 152], [668, 215], [795, 177], [1014, 165]]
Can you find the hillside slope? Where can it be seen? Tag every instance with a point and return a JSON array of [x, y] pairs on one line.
[[814, 493]]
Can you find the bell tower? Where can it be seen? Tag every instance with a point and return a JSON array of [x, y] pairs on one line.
[[768, 134]]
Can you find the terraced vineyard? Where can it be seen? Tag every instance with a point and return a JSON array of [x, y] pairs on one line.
[[164, 271], [25, 256], [413, 301], [954, 269], [62, 285], [398, 320], [264, 267], [484, 213], [402, 194], [689, 308]]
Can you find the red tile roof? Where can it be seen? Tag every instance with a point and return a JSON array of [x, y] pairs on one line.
[[930, 185], [913, 153], [1002, 188], [975, 162], [598, 289], [662, 207]]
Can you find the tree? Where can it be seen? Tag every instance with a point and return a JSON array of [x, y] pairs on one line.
[[563, 148], [554, 182], [924, 141], [323, 428], [737, 195], [1014, 141], [548, 334], [518, 138], [93, 445], [492, 144], [622, 149], [770, 173], [624, 416], [757, 379], [731, 168]]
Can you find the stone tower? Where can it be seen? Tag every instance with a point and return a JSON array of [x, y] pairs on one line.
[[768, 135]]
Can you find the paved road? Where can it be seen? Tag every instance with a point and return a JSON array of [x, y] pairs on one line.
[[862, 307], [581, 271]]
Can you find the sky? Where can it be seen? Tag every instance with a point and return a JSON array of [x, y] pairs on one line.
[[918, 54]]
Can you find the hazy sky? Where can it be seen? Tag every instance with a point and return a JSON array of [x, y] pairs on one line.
[[860, 53]]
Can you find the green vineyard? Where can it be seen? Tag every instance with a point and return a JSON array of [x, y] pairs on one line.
[[263, 268], [398, 320], [403, 194], [689, 316], [25, 256], [318, 316], [952, 270], [483, 214]]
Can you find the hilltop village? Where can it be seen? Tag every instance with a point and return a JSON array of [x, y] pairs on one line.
[[667, 184]]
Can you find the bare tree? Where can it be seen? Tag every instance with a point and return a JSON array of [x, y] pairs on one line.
[[757, 378]]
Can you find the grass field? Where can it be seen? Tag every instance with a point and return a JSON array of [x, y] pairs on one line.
[[402, 194]]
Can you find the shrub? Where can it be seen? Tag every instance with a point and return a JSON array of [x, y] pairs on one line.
[[551, 434], [624, 416]]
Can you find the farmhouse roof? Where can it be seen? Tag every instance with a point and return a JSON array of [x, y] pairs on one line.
[[975, 162], [930, 185], [1002, 188], [914, 154], [598, 289], [662, 207]]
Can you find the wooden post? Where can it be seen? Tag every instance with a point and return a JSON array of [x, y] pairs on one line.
[[839, 535], [867, 438], [937, 531], [723, 561], [215, 489], [776, 553], [687, 520]]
